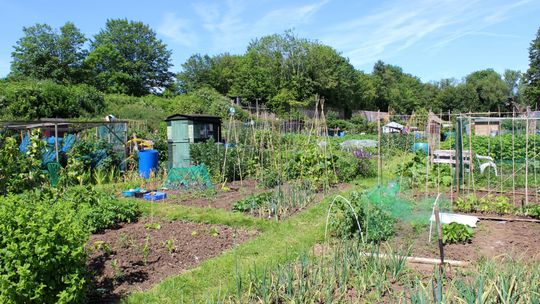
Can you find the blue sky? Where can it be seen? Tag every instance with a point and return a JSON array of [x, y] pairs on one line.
[[432, 39]]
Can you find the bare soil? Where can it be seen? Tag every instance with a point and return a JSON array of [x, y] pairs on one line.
[[491, 239], [516, 198], [238, 191], [223, 199], [136, 256]]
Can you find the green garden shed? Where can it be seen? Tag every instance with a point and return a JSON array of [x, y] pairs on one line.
[[186, 129]]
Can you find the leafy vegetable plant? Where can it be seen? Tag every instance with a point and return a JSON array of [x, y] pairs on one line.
[[456, 233]]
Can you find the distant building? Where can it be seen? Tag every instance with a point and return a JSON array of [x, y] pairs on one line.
[[393, 127], [487, 126]]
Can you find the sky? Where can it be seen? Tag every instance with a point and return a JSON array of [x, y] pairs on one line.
[[431, 39]]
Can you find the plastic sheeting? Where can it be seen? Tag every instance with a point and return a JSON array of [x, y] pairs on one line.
[[352, 144], [447, 218]]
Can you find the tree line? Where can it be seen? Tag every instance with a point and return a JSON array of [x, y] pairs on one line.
[[62, 72]]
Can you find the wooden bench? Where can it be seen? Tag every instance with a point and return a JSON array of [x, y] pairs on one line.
[[449, 157]]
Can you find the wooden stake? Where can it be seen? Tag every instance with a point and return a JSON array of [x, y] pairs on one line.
[[439, 233], [527, 158], [379, 147]]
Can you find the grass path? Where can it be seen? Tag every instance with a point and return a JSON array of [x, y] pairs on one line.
[[278, 242]]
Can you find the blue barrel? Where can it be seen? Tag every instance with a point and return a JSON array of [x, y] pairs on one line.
[[420, 146], [148, 162]]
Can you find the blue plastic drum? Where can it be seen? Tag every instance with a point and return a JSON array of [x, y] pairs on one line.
[[148, 163]]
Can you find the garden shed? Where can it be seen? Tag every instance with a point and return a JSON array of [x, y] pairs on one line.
[[185, 129], [393, 127], [487, 126]]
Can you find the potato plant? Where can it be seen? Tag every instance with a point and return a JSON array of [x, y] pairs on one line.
[[375, 223], [456, 233]]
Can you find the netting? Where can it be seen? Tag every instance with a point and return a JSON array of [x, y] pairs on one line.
[[52, 169], [192, 178], [407, 209]]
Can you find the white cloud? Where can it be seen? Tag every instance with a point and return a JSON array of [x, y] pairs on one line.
[[178, 30], [230, 30], [401, 24], [289, 17]]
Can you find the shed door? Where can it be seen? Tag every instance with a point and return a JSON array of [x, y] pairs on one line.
[[181, 158]]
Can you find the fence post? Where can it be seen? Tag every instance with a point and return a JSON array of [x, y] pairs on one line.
[[459, 153]]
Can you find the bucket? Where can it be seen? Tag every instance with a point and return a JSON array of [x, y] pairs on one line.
[[148, 162]]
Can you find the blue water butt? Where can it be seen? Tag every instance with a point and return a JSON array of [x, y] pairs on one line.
[[420, 146], [148, 162]]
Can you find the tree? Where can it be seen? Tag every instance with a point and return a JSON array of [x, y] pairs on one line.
[[196, 73], [532, 77], [126, 57], [44, 53], [397, 90], [490, 89], [511, 79]]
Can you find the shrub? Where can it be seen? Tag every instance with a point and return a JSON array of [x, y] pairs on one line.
[[533, 210], [467, 203], [456, 233], [42, 256], [18, 171], [377, 225], [313, 165], [38, 99], [212, 155], [252, 202], [99, 210]]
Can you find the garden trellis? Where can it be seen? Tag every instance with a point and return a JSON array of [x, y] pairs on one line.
[[490, 153]]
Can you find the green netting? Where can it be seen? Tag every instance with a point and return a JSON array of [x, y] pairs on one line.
[[52, 170], [405, 207], [192, 178]]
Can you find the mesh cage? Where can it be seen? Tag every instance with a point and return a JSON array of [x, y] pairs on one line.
[[404, 207], [192, 178]]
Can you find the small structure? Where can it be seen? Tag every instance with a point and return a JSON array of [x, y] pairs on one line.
[[185, 129], [112, 131], [487, 126], [433, 130], [373, 116], [393, 127]]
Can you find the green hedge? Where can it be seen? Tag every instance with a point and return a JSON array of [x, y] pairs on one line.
[[39, 99]]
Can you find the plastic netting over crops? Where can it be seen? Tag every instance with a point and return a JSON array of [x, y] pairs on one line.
[[402, 206], [193, 178]]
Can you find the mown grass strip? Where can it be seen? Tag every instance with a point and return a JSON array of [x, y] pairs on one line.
[[279, 242], [214, 216]]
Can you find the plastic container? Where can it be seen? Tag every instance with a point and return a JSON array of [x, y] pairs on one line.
[[130, 192], [141, 193], [155, 196], [421, 146], [148, 162]]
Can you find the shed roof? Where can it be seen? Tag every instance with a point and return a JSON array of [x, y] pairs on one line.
[[60, 123], [394, 125], [194, 117]]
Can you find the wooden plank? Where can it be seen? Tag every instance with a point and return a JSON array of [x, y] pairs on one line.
[[418, 260], [496, 218]]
